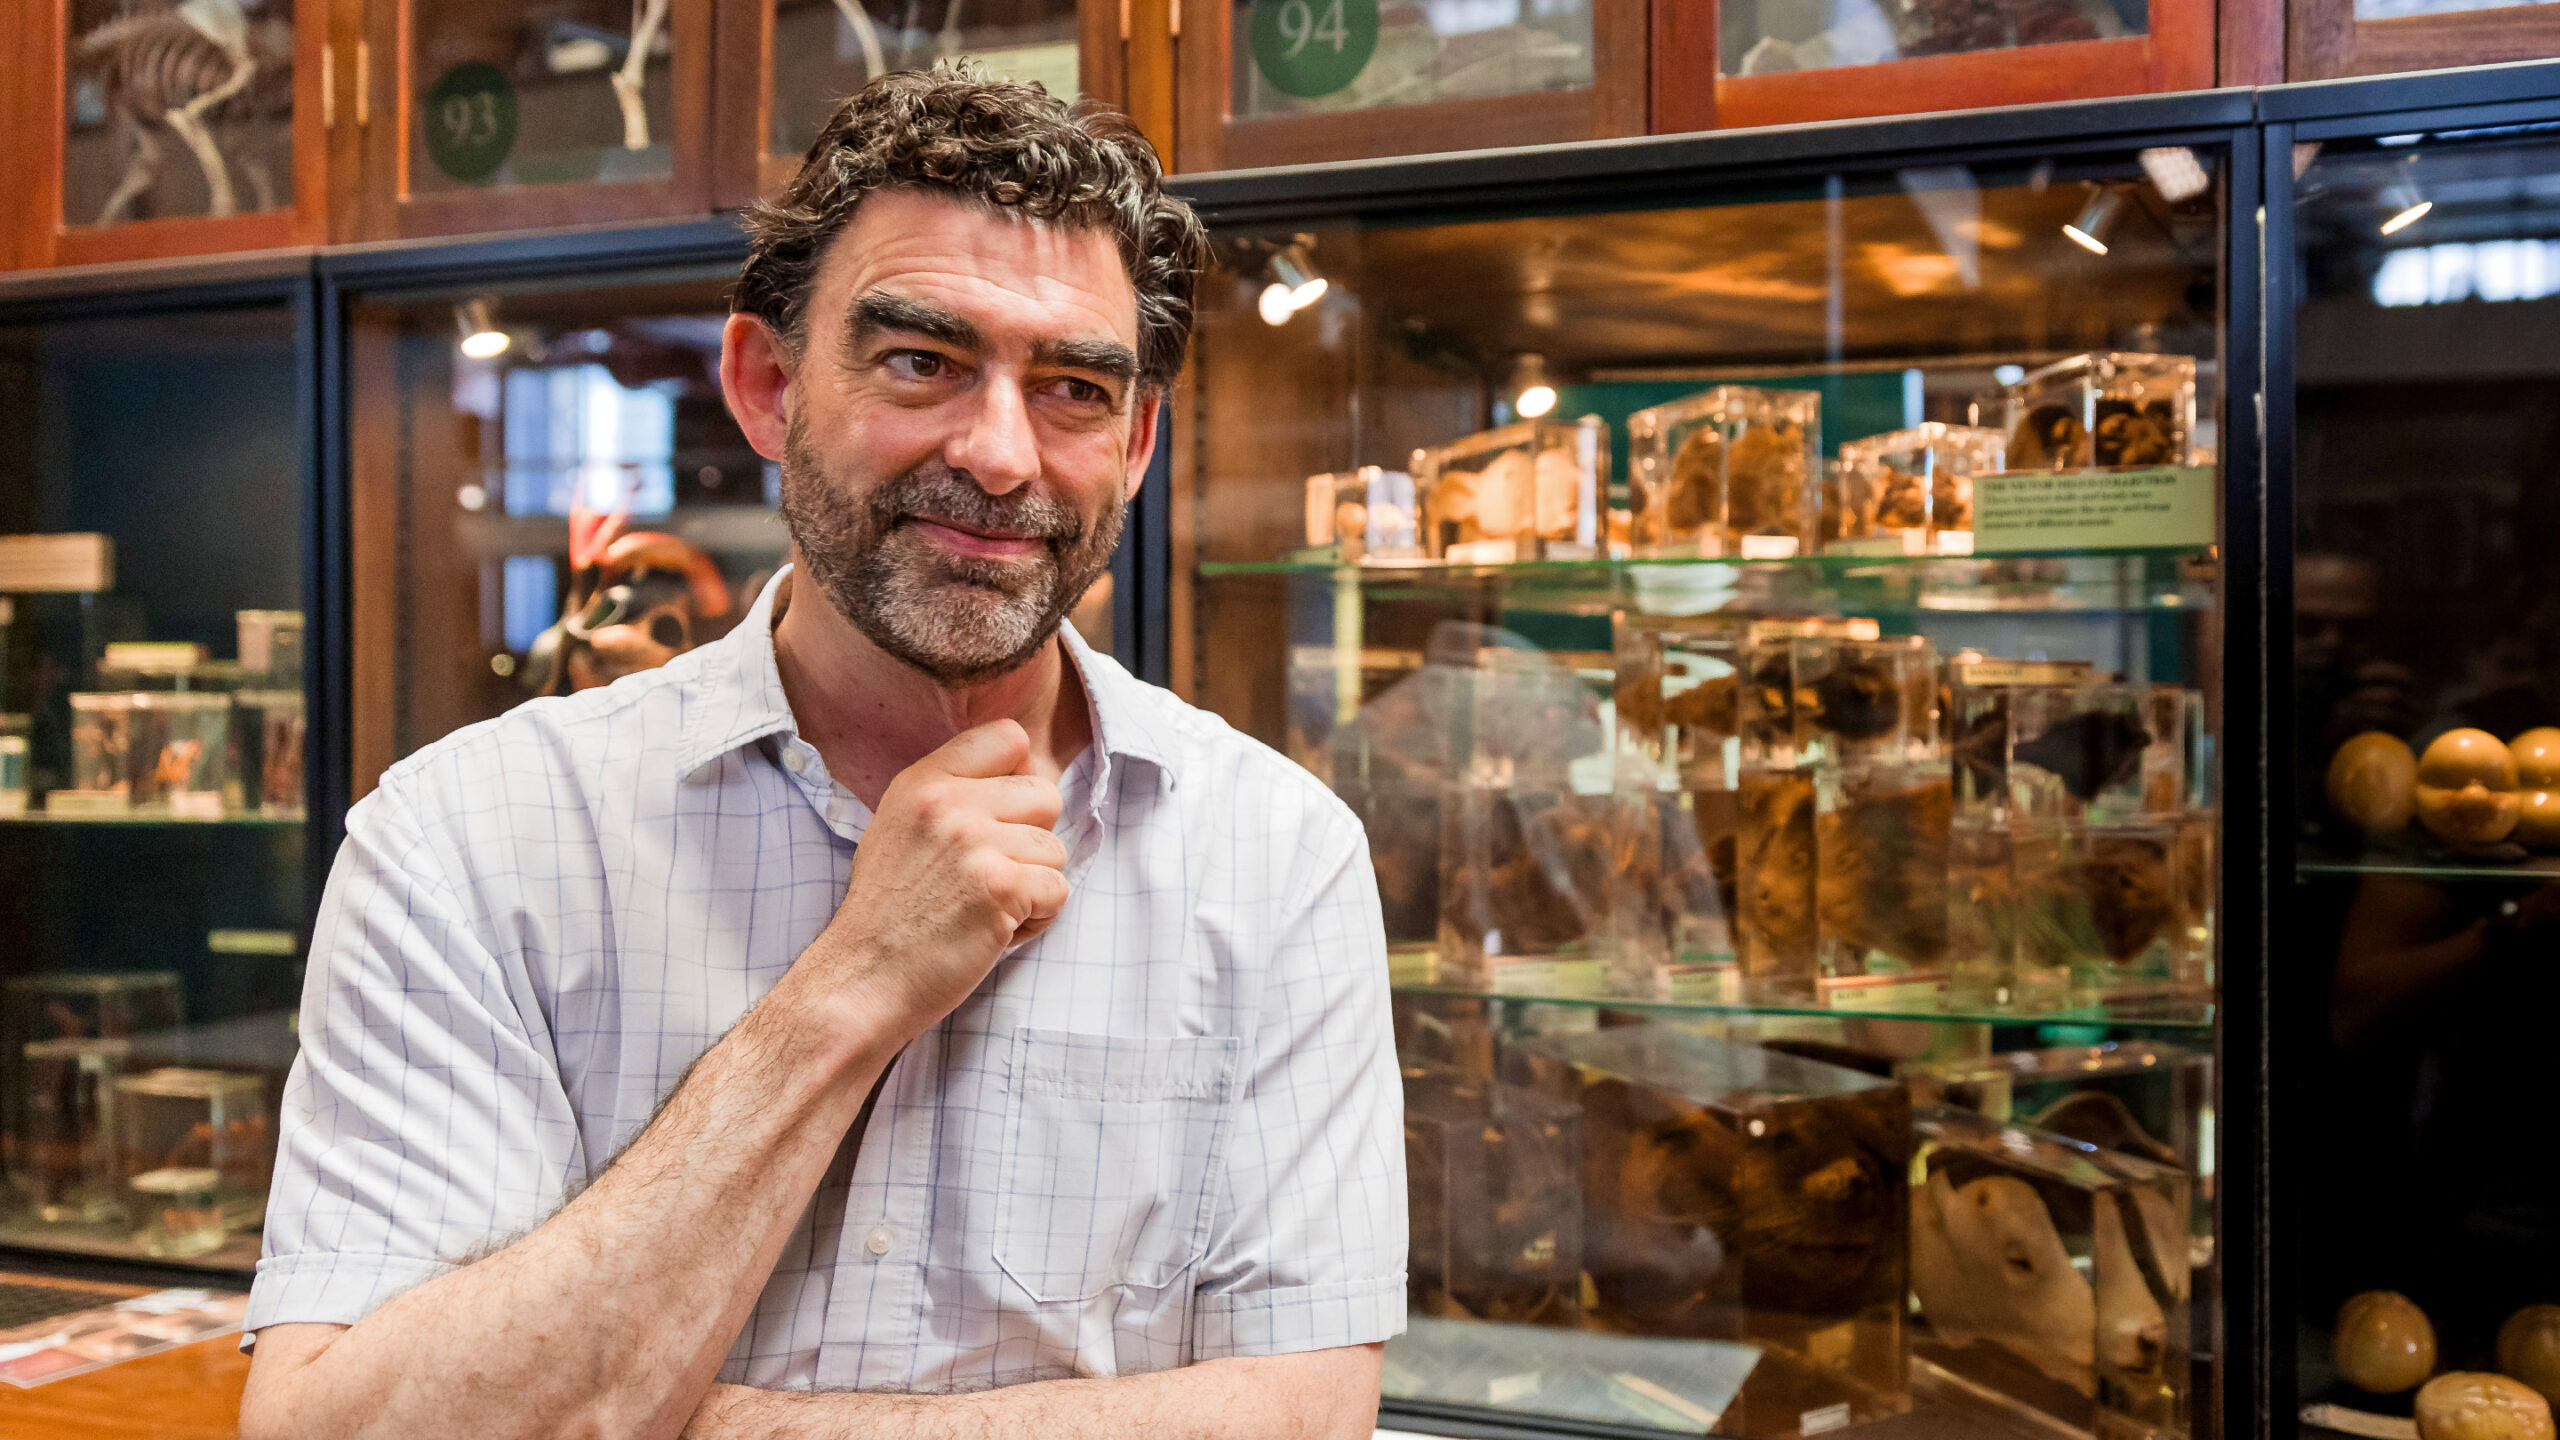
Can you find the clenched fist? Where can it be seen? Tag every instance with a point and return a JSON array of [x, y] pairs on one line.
[[958, 865]]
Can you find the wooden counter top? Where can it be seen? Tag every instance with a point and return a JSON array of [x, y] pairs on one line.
[[190, 1393]]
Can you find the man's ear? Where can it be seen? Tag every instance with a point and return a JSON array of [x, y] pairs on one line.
[[1144, 418], [756, 375]]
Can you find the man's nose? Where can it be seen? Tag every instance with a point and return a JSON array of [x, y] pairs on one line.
[[995, 444]]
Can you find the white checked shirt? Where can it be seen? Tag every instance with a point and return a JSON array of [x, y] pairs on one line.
[[1168, 1130]]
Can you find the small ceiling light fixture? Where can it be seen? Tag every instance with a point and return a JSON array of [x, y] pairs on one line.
[[476, 320], [2089, 229], [2175, 172], [1532, 395], [1295, 282], [2403, 200]]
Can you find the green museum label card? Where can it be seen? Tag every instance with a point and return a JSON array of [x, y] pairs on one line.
[[1309, 48], [470, 117], [2167, 506]]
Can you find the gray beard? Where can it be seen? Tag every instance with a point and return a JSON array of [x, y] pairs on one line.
[[958, 619]]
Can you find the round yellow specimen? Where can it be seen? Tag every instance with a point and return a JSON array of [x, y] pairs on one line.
[[2529, 1348], [2467, 788], [2537, 754], [2373, 783], [2460, 1405], [2383, 1343]]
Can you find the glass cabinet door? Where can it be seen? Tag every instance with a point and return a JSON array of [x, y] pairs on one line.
[[2423, 1240], [484, 115], [1784, 61], [1774, 648], [1272, 82], [808, 55], [171, 130], [153, 831], [2333, 38], [548, 493]]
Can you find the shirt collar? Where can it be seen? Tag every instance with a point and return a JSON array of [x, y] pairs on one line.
[[736, 698]]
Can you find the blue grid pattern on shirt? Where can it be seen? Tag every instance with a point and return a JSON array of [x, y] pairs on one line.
[[1168, 1130]]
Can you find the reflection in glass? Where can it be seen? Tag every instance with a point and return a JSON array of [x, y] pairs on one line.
[[1771, 37], [824, 50], [177, 110], [1297, 57], [2426, 651]]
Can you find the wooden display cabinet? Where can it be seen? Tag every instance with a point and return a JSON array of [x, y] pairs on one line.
[[495, 115], [1762, 62], [103, 167], [1285, 82], [2329, 39], [783, 65]]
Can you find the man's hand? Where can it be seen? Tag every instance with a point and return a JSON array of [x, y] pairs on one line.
[[959, 864]]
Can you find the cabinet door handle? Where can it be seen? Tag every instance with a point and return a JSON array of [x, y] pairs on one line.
[[1124, 19], [328, 87], [364, 82], [1177, 19]]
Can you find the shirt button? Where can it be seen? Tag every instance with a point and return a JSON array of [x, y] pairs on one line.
[[878, 1241], [794, 761]]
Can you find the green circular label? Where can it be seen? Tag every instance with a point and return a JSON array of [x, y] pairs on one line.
[[470, 117], [1309, 48]]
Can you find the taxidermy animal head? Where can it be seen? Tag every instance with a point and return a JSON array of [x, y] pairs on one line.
[[635, 602]]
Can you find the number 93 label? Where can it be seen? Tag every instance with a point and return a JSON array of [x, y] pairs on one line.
[[470, 119], [1309, 48]]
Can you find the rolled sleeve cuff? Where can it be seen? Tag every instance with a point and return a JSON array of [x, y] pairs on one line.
[[1299, 1318], [329, 1289]]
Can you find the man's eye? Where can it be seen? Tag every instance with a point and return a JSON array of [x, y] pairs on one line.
[[1085, 392], [916, 365]]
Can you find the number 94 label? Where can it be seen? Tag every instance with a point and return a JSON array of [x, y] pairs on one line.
[[1309, 48], [470, 120]]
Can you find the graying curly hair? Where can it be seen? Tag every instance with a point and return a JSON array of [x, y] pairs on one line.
[[1004, 144]]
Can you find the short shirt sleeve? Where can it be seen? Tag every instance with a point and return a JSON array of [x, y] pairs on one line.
[[1307, 1247], [424, 1122]]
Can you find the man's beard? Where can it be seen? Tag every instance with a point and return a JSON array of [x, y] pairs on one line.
[[957, 618]]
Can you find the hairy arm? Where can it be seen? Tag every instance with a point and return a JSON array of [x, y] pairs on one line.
[[1316, 1395], [612, 1316]]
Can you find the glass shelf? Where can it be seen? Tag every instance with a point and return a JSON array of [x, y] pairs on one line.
[[2535, 870], [2126, 580], [2164, 1015], [42, 820]]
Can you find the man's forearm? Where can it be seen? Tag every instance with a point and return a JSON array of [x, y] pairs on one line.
[[613, 1315], [1319, 1395]]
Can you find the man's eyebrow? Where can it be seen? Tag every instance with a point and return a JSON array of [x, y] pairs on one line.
[[1104, 357], [882, 310]]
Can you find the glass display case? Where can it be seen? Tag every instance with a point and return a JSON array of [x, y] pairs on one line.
[[491, 115], [2327, 39], [2415, 753], [545, 488], [1276, 82], [155, 851], [164, 130], [1766, 62], [1855, 887], [787, 71]]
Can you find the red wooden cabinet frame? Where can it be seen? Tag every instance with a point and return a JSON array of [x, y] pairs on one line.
[[35, 100], [390, 206], [1210, 136]]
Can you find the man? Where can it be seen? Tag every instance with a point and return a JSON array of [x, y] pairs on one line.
[[892, 1001]]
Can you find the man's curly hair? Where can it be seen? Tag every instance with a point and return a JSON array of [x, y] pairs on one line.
[[1003, 144]]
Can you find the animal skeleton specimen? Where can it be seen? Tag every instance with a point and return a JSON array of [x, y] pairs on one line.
[[189, 67], [631, 82], [875, 61]]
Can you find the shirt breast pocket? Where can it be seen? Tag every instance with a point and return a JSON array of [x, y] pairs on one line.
[[1112, 1145]]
